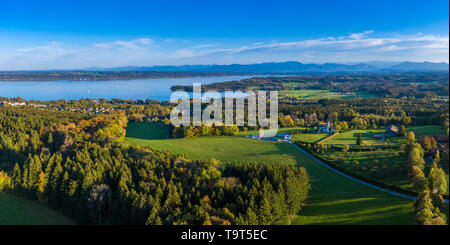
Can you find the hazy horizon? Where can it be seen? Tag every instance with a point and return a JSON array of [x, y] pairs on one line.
[[378, 64]]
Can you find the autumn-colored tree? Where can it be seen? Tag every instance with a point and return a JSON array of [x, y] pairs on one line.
[[359, 139], [5, 182], [402, 130], [418, 179], [437, 180], [41, 187], [410, 137]]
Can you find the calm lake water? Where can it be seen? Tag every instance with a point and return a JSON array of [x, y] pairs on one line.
[[124, 89]]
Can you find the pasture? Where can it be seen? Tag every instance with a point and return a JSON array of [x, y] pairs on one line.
[[350, 137], [224, 148], [314, 94], [310, 94], [382, 165], [426, 130], [15, 210], [147, 131], [334, 199], [309, 138]]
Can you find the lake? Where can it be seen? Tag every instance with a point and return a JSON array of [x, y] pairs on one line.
[[158, 89]]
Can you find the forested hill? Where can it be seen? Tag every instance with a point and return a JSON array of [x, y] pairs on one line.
[[76, 163]]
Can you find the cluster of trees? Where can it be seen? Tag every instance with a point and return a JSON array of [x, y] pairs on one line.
[[367, 112], [343, 114], [429, 201], [29, 130], [5, 182], [135, 185], [359, 139], [26, 130], [429, 142], [343, 121], [76, 163], [191, 131]]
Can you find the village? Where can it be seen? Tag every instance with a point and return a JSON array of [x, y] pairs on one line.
[[90, 110]]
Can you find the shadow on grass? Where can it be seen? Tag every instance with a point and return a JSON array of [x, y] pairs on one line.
[[146, 131]]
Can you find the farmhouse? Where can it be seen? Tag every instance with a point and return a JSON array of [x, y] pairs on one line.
[[391, 131]]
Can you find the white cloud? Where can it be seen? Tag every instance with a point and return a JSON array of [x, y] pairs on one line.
[[134, 44], [360, 35], [50, 47], [356, 47]]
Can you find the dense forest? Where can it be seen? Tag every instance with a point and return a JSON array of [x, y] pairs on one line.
[[75, 162]]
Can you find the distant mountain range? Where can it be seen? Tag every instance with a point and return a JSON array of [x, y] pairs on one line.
[[292, 67]]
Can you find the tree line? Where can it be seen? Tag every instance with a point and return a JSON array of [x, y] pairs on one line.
[[429, 204]]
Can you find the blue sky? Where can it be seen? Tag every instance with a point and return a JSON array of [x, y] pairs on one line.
[[78, 34]]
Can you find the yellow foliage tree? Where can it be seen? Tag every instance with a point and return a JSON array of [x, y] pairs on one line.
[[40, 187], [5, 182]]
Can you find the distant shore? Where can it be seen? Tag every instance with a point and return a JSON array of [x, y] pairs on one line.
[[103, 75]]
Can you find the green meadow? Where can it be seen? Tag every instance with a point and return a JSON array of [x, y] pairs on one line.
[[426, 130], [146, 130], [350, 137], [334, 199], [224, 148], [382, 165], [320, 94], [308, 138], [15, 210]]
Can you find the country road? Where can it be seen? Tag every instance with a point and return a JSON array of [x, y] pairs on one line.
[[288, 139]]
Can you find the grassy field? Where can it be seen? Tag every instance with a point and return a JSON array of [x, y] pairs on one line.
[[15, 210], [224, 148], [334, 199], [426, 130], [313, 94], [320, 94], [148, 131], [349, 138], [382, 165], [308, 138]]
